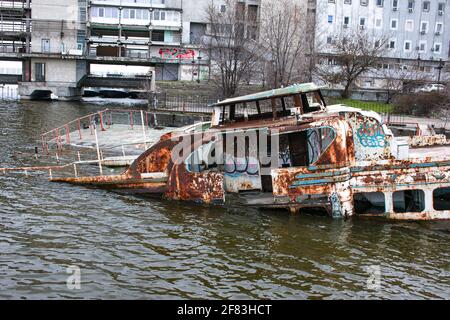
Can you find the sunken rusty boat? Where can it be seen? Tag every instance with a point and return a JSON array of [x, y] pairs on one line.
[[286, 148]]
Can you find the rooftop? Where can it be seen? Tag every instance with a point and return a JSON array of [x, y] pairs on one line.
[[275, 93]]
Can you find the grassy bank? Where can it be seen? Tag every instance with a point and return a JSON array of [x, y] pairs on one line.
[[373, 106]]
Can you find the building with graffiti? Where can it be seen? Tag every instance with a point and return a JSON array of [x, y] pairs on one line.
[[169, 33]]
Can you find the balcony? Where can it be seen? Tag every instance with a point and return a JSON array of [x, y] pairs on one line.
[[14, 5], [157, 4]]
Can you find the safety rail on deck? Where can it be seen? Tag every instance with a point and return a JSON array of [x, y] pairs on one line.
[[104, 119]]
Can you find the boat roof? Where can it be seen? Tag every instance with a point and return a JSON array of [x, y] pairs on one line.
[[275, 93]]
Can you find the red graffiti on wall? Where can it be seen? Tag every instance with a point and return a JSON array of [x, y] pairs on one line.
[[174, 53]]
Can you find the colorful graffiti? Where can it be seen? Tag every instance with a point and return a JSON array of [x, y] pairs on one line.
[[174, 53], [237, 166], [371, 135]]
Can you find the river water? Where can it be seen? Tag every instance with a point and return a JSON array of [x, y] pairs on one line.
[[133, 248]]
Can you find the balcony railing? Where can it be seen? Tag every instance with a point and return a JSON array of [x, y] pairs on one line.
[[14, 4], [168, 4]]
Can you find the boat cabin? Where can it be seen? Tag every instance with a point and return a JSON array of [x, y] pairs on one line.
[[270, 105]]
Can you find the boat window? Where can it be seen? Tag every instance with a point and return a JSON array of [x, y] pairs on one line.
[[202, 159], [441, 199], [369, 203], [312, 101], [318, 142], [304, 148], [409, 201]]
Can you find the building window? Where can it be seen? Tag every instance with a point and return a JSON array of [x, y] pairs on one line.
[[394, 24], [39, 71], [409, 25], [101, 12], [332, 1], [346, 21], [329, 40], [410, 5], [378, 23], [392, 44], [223, 8], [424, 27], [347, 1], [441, 7], [407, 46], [441, 199], [422, 46], [369, 203], [379, 3], [426, 6], [437, 48], [362, 22], [330, 19], [394, 4], [439, 28], [45, 45], [158, 35], [409, 201], [364, 2]]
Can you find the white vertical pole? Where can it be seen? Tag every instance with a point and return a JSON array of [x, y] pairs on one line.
[[98, 150], [143, 129]]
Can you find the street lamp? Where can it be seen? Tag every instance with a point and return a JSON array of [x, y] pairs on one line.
[[199, 60], [440, 67], [193, 65]]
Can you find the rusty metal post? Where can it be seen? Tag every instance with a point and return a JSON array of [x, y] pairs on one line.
[[143, 130], [90, 125], [67, 134], [98, 152], [131, 120], [79, 129], [101, 121]]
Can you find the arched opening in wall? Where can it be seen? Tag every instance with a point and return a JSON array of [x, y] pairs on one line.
[[41, 95]]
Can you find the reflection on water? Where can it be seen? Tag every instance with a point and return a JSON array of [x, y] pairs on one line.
[[130, 247]]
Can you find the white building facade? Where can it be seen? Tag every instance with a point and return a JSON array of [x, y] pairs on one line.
[[417, 34]]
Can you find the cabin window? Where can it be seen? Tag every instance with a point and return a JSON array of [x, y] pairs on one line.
[[264, 108], [441, 199], [202, 159], [304, 148], [409, 201], [369, 203], [312, 102]]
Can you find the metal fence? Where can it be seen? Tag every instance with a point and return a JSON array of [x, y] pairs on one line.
[[181, 104]]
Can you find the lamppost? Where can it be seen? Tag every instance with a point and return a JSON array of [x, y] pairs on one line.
[[440, 67], [199, 60], [193, 65]]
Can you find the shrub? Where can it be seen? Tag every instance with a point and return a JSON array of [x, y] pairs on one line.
[[423, 104]]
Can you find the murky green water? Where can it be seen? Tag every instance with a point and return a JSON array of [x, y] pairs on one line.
[[135, 248]]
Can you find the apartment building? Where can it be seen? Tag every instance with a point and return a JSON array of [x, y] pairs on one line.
[[55, 59], [15, 31], [417, 34], [168, 33]]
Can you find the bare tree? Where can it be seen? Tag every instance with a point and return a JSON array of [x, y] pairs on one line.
[[401, 79], [282, 33], [353, 54], [233, 49]]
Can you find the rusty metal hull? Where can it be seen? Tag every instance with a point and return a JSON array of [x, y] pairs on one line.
[[358, 158]]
